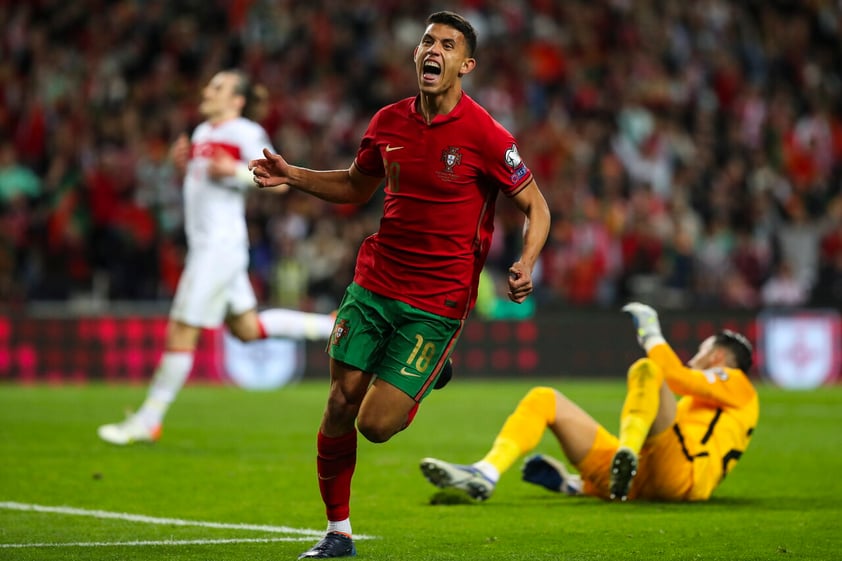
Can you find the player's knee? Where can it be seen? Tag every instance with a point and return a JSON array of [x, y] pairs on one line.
[[243, 336], [374, 432], [540, 400], [244, 333], [644, 369]]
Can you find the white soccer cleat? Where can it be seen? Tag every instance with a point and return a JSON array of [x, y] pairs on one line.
[[454, 476], [128, 432]]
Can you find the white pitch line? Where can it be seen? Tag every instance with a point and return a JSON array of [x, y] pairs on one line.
[[104, 514], [148, 542]]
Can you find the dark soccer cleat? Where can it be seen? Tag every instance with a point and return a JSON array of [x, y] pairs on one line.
[[551, 474], [445, 376], [623, 470], [333, 545]]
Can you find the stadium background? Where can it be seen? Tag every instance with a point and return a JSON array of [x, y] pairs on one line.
[[691, 153]]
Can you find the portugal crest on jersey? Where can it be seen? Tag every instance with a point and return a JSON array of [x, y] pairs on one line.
[[451, 157]]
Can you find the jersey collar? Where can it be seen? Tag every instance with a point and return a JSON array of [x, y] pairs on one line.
[[454, 114]]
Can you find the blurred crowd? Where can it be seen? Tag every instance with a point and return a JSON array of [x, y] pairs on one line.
[[691, 152]]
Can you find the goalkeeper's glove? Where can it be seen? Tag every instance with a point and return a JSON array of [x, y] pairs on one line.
[[647, 324]]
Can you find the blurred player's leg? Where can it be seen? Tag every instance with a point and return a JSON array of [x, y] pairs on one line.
[[145, 424], [522, 430], [638, 414], [293, 324]]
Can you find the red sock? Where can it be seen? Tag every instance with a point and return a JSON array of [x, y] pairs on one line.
[[337, 458]]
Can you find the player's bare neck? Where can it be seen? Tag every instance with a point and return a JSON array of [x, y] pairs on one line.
[[218, 119], [431, 105]]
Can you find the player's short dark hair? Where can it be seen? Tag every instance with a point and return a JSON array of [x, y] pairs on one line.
[[738, 345], [458, 23], [253, 93], [243, 85]]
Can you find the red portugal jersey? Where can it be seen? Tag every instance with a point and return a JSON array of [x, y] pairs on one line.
[[442, 182]]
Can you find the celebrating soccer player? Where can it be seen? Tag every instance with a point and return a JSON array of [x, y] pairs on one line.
[[667, 450], [444, 159]]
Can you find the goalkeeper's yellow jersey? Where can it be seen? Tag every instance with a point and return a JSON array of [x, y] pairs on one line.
[[717, 413]]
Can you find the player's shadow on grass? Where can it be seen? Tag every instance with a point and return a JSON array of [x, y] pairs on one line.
[[769, 503], [449, 497]]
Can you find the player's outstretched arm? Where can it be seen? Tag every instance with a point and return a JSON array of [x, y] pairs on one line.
[[348, 186]]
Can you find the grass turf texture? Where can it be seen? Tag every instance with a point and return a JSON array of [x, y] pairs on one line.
[[237, 457]]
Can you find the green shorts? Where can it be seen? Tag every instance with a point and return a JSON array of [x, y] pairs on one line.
[[402, 345]]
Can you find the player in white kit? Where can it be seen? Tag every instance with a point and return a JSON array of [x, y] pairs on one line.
[[214, 286]]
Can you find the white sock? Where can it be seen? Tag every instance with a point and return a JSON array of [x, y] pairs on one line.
[[343, 526], [488, 471], [293, 324], [169, 377]]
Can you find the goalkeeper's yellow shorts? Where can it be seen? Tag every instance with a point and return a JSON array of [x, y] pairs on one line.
[[663, 473]]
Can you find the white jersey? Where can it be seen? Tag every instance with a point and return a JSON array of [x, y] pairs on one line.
[[215, 280], [214, 210]]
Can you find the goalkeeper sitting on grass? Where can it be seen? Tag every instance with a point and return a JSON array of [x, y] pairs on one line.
[[667, 450]]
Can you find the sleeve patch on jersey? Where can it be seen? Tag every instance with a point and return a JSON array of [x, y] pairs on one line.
[[519, 173], [513, 159]]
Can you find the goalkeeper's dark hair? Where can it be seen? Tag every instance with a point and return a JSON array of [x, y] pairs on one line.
[[458, 23], [739, 347]]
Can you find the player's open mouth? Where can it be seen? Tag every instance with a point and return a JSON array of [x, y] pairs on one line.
[[430, 71]]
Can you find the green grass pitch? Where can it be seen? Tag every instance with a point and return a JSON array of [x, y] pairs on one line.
[[234, 478]]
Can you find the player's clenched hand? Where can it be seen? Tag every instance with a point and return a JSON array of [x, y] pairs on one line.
[[647, 324], [520, 282], [270, 171]]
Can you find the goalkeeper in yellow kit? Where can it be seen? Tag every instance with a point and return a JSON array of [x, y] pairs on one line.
[[667, 449]]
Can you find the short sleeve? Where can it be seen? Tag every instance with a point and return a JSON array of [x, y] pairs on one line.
[[369, 160], [503, 162]]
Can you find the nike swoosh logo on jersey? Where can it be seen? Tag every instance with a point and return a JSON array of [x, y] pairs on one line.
[[391, 148], [406, 372]]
